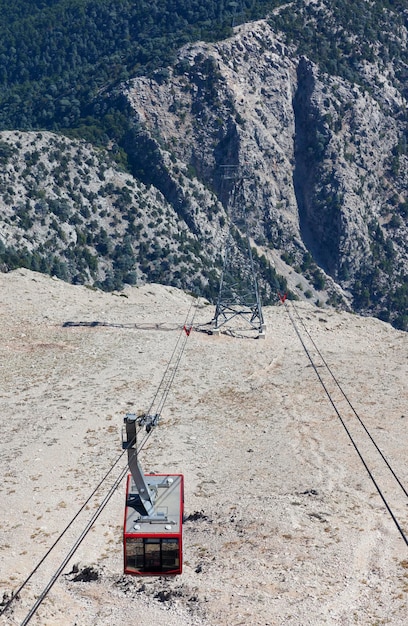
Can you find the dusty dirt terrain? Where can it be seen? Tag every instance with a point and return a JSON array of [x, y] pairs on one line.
[[284, 525]]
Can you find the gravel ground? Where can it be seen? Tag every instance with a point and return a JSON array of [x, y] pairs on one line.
[[283, 524]]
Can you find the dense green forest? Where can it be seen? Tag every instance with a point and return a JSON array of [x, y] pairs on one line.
[[56, 58], [342, 34]]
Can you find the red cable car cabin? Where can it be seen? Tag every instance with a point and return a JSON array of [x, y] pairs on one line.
[[153, 544]]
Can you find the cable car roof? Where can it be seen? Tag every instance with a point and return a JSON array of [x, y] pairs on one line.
[[167, 518]]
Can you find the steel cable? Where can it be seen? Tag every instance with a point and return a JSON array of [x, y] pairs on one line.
[[185, 330], [350, 404], [379, 491]]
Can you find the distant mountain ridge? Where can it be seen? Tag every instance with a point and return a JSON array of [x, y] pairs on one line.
[[324, 157]]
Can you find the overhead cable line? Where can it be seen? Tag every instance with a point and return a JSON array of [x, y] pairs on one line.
[[350, 404], [58, 539], [379, 491], [163, 389], [157, 404], [74, 548]]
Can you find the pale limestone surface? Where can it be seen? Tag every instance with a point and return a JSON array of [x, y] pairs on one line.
[[292, 531]]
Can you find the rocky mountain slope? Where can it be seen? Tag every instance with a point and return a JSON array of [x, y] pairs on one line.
[[321, 163], [325, 174], [68, 210]]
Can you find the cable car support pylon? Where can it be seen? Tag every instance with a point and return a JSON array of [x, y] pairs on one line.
[[238, 305]]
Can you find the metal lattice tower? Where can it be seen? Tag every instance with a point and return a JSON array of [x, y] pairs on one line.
[[238, 307]]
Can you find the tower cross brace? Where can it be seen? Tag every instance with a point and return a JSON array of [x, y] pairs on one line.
[[238, 302]]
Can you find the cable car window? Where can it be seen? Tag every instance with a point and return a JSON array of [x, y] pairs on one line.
[[170, 553], [152, 554], [134, 554]]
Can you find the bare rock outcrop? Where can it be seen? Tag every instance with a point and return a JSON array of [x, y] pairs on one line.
[[324, 172], [322, 163]]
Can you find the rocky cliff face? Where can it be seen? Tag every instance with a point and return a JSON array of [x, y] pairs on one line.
[[322, 165], [230, 105], [324, 160]]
